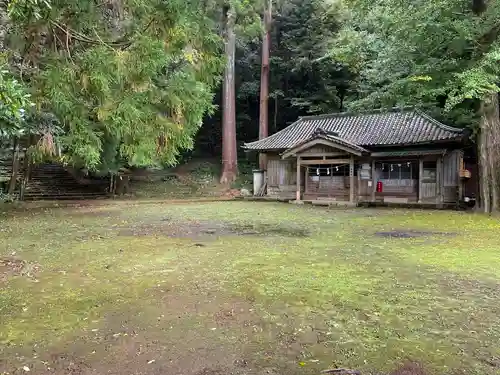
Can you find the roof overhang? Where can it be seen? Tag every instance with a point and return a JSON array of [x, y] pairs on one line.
[[320, 137], [403, 153]]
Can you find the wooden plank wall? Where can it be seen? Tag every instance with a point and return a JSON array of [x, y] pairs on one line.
[[364, 189], [282, 191], [281, 172], [429, 190], [451, 178], [328, 186], [405, 187], [281, 177], [334, 188]]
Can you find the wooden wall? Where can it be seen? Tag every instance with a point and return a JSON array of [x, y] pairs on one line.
[[281, 177], [327, 187], [401, 187], [451, 175], [317, 150], [429, 190]]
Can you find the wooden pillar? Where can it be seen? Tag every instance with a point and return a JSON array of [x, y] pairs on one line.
[[420, 175], [297, 193], [358, 184], [440, 181], [351, 180], [306, 180], [374, 181], [461, 167]]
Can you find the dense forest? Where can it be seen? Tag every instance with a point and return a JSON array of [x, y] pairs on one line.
[[113, 83]]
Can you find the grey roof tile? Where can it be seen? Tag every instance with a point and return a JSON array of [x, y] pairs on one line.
[[367, 129]]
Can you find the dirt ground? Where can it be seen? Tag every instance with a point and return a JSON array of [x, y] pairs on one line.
[[124, 344], [194, 334], [247, 288]]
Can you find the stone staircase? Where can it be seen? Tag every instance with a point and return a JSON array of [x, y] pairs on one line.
[[55, 182]]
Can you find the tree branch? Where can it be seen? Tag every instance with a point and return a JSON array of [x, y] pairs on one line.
[[67, 47], [121, 43]]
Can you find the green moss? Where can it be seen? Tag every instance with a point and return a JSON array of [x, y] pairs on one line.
[[376, 300]]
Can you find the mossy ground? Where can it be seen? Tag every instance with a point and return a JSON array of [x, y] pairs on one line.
[[322, 288]]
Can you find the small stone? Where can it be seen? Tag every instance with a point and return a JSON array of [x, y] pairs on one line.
[[26, 368], [245, 193]]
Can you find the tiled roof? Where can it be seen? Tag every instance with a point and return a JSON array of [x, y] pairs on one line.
[[402, 127]]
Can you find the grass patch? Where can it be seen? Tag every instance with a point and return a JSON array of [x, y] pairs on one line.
[[315, 288]]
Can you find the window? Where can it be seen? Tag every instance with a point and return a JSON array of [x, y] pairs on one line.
[[429, 173], [399, 170]]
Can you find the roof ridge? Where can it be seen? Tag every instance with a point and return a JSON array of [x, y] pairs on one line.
[[357, 113], [438, 123]]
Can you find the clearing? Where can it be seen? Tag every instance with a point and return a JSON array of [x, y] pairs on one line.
[[247, 288]]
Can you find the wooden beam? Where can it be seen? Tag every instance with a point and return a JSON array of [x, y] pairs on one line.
[[374, 181], [461, 167], [351, 180], [306, 180], [358, 184], [297, 149], [322, 154], [440, 180], [420, 175], [297, 193], [328, 161]]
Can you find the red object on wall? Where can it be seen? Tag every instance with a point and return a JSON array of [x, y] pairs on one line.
[[379, 187]]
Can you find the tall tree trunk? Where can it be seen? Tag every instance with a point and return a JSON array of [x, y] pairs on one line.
[[15, 167], [264, 81], [484, 185], [489, 154], [493, 119], [229, 151]]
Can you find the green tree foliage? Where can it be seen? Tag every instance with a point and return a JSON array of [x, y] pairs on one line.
[[14, 103], [310, 83], [436, 53], [444, 54], [130, 81], [302, 80]]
